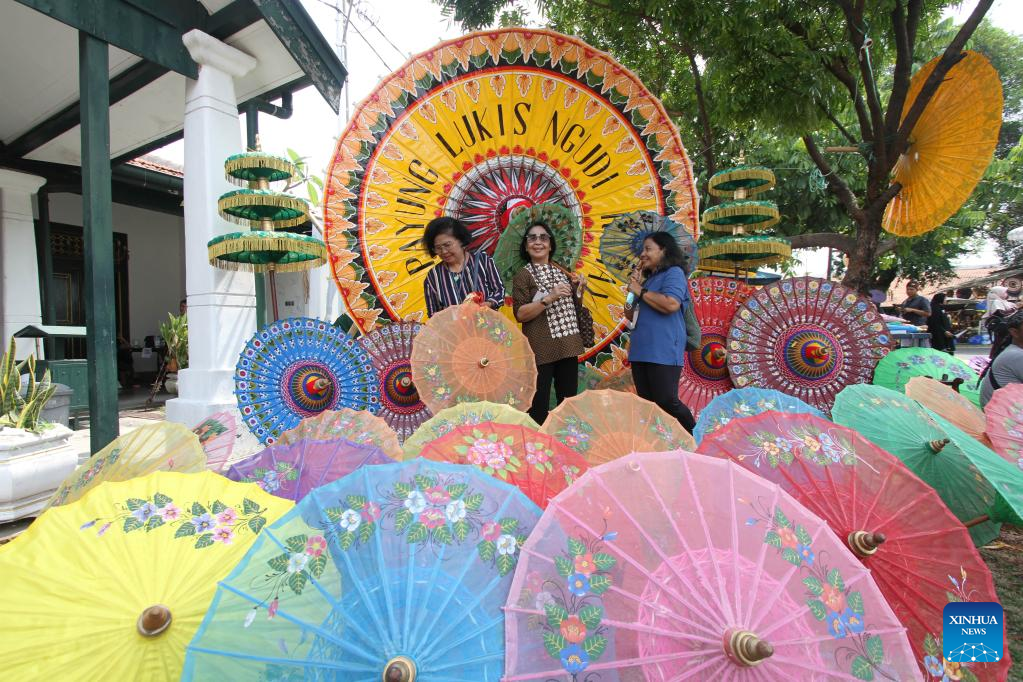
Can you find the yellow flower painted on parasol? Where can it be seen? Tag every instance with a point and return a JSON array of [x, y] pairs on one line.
[[479, 127], [114, 586], [950, 146], [157, 447]]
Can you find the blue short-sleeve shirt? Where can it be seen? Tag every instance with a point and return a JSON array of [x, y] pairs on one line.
[[658, 337]]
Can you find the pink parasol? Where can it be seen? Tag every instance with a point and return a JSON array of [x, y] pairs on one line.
[[672, 565], [1004, 414], [217, 434], [291, 471]]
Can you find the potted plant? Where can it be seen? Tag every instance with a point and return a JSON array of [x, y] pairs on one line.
[[35, 456], [175, 334]]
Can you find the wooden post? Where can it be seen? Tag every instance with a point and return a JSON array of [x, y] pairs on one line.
[[101, 340]]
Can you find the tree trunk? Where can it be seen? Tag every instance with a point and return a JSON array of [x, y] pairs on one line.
[[863, 258]]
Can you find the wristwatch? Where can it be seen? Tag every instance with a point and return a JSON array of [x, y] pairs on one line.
[[642, 293]]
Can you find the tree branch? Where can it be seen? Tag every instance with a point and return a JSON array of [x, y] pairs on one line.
[[953, 55], [903, 67], [841, 128], [837, 184], [829, 240], [857, 37], [701, 104]]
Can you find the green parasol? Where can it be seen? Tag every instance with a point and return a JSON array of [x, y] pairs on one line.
[[901, 365], [745, 252], [749, 179], [979, 487], [258, 168], [266, 251], [252, 207], [747, 213], [563, 223]]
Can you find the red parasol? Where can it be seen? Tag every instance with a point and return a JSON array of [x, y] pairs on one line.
[[705, 373], [807, 337], [887, 516], [390, 348], [535, 463]]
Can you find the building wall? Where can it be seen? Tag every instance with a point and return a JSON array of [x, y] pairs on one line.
[[156, 262]]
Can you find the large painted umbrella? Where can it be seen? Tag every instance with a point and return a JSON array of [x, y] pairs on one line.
[[390, 348], [479, 126], [1004, 413], [889, 518], [297, 368], [467, 353], [807, 337], [896, 369], [622, 241], [705, 370], [395, 572], [950, 146], [740, 403], [124, 575], [946, 402], [676, 566], [981, 488], [604, 424], [450, 418]]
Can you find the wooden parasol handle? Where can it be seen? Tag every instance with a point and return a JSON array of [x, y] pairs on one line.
[[938, 445], [977, 521], [154, 620], [863, 544], [745, 648], [399, 669]]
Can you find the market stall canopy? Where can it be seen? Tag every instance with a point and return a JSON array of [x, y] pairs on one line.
[[39, 113]]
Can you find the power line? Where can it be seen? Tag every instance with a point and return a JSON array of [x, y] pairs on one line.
[[358, 32], [363, 15]]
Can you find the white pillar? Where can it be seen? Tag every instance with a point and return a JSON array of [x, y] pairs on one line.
[[19, 272], [221, 303]]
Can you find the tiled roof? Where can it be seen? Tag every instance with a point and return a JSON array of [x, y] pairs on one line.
[[158, 165]]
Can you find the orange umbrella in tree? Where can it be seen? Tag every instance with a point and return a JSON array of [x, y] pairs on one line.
[[469, 352], [950, 146], [890, 519], [950, 404], [479, 127], [602, 425], [705, 372], [534, 462]]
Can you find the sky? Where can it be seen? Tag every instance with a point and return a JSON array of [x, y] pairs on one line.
[[382, 37]]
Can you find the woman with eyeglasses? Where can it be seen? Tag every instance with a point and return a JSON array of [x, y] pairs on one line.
[[546, 301], [461, 272]]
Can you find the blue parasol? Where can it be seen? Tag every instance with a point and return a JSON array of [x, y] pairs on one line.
[[297, 368], [621, 242], [747, 402], [425, 552]]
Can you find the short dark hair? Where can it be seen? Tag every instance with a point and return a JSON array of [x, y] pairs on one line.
[[445, 225], [673, 255], [524, 252]]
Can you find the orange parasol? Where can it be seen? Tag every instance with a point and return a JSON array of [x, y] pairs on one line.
[[950, 147], [602, 425], [468, 353], [357, 426], [949, 404], [618, 380]]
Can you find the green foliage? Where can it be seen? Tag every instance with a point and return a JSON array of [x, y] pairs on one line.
[[175, 334], [22, 412]]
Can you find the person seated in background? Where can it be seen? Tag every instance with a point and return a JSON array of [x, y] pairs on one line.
[[1007, 366], [183, 306], [915, 309]]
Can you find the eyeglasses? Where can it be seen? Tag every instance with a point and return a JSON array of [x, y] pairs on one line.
[[540, 237], [445, 246]]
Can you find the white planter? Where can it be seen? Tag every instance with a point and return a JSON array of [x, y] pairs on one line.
[[171, 383], [31, 467]]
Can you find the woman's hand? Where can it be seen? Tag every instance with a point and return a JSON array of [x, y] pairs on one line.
[[561, 291], [635, 282], [580, 284]]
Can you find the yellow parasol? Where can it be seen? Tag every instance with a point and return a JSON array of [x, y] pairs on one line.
[[113, 586], [950, 147], [164, 446]]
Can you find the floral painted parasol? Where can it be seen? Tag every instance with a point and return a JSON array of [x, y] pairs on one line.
[[478, 127]]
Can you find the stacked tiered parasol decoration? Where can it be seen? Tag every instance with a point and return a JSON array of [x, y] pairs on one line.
[[263, 247], [738, 216]]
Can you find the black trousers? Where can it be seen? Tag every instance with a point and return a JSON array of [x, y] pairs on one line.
[[565, 376], [659, 384]]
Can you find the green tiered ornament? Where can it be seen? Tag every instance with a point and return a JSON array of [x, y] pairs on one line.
[[738, 250], [263, 248]]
